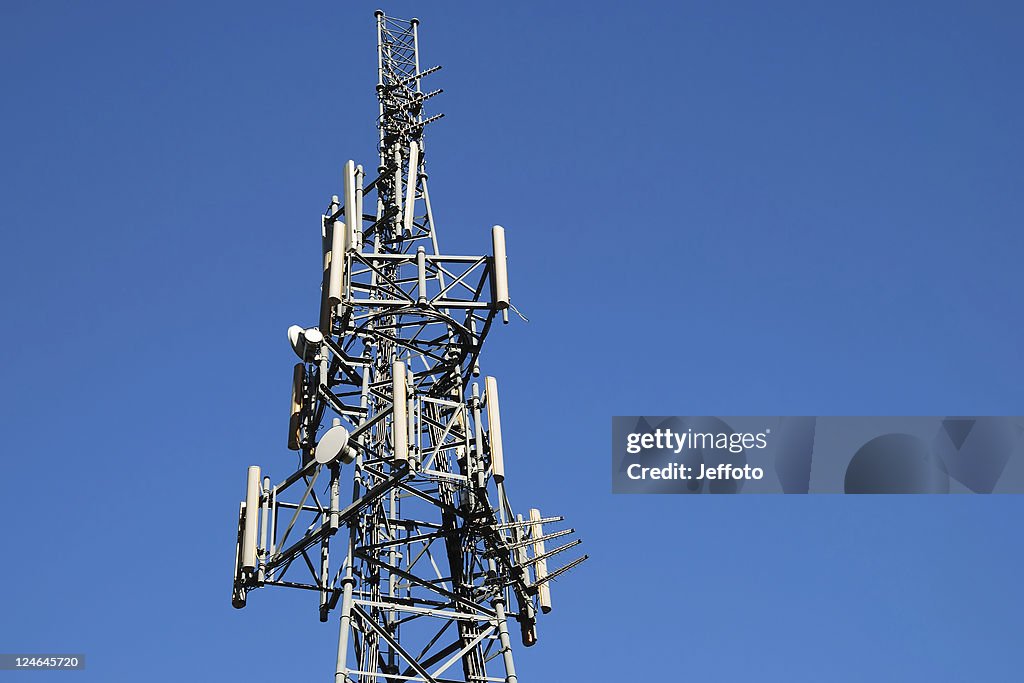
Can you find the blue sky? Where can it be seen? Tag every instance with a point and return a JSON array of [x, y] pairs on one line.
[[712, 208]]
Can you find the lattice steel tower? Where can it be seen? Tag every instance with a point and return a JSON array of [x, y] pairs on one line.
[[429, 560]]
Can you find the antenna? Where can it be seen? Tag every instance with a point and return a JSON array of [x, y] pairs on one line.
[[428, 562]]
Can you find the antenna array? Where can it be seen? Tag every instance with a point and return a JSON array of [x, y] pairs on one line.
[[385, 404]]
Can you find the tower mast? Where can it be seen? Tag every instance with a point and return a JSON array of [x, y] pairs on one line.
[[430, 562]]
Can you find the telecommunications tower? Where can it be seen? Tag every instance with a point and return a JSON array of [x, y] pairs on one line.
[[397, 514]]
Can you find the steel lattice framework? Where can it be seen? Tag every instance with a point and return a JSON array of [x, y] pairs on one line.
[[433, 560]]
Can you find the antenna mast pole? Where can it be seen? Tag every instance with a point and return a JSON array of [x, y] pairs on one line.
[[386, 403]]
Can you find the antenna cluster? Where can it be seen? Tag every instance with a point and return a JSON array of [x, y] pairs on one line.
[[429, 562]]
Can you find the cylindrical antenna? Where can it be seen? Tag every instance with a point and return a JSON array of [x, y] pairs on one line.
[[478, 440], [397, 157], [421, 276], [415, 436], [325, 240], [252, 509], [238, 594], [356, 223], [335, 497], [500, 274], [528, 624], [400, 419], [295, 417], [338, 247], [352, 217], [522, 557], [264, 515], [540, 570], [494, 429], [411, 184]]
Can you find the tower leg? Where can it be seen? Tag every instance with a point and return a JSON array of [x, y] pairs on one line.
[[506, 645], [341, 669]]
